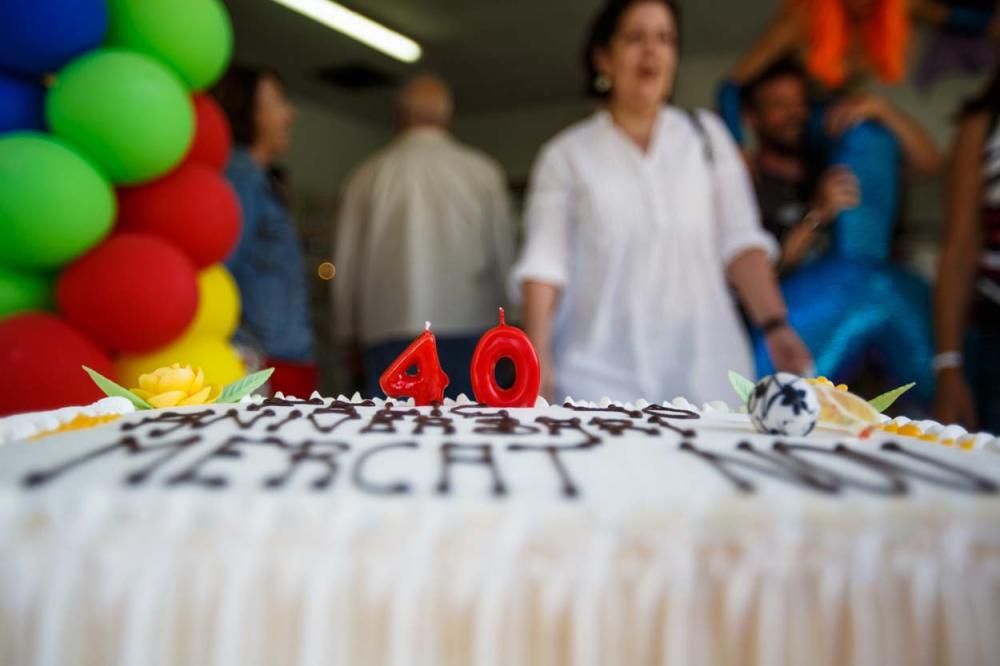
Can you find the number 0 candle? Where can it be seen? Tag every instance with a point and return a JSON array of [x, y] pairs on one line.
[[505, 342]]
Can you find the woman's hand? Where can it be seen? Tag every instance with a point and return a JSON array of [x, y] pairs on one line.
[[954, 402], [788, 352], [752, 276]]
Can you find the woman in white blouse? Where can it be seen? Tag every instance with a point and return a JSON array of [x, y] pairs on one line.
[[636, 219]]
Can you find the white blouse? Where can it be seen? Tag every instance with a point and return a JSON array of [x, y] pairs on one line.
[[639, 243]]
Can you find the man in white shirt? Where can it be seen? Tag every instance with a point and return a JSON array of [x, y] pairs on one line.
[[425, 233]]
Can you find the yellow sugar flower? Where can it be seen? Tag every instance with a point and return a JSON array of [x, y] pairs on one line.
[[176, 386]]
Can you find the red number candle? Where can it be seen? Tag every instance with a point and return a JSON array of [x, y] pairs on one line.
[[505, 342], [427, 386]]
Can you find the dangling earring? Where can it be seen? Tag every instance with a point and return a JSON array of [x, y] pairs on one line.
[[602, 83]]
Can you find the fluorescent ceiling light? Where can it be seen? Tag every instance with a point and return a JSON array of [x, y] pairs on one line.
[[358, 27]]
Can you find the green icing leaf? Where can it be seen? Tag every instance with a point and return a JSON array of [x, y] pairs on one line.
[[244, 387], [884, 401], [114, 390], [742, 386]]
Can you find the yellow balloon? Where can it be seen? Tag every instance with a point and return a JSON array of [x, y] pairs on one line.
[[218, 312], [217, 358]]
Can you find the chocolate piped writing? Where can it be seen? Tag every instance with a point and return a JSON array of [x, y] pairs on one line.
[[362, 481], [791, 463], [309, 443], [470, 454]]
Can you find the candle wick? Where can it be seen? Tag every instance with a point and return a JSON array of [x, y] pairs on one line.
[[503, 321]]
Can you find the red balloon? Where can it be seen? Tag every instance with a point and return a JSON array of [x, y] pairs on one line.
[[133, 293], [193, 207], [212, 137], [41, 356]]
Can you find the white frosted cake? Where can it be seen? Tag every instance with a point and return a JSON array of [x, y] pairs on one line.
[[361, 532]]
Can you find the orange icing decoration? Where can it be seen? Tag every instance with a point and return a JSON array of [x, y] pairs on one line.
[[79, 422]]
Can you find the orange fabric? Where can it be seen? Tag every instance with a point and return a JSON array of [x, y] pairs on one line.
[[884, 37]]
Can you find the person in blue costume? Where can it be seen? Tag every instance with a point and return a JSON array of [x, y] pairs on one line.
[[851, 303], [268, 263], [798, 193]]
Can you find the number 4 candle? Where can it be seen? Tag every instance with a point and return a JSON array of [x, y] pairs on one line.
[[426, 387]]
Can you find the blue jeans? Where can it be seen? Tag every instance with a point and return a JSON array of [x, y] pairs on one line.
[[982, 368], [455, 354]]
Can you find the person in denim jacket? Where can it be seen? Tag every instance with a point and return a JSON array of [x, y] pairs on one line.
[[268, 262]]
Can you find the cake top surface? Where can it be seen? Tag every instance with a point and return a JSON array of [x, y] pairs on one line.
[[609, 458]]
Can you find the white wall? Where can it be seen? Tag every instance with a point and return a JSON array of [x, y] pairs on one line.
[[326, 145], [514, 137]]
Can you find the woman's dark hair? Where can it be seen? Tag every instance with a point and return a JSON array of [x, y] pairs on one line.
[[236, 93], [603, 28], [988, 98]]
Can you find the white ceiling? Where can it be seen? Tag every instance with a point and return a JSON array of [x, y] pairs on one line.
[[498, 54]]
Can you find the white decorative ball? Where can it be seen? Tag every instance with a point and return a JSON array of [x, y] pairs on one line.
[[783, 404]]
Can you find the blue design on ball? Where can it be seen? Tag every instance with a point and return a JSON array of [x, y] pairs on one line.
[[783, 404]]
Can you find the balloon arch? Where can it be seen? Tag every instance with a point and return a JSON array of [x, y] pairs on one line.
[[114, 213]]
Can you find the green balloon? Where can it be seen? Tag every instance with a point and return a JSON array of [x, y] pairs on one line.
[[125, 111], [54, 205], [193, 37], [21, 292]]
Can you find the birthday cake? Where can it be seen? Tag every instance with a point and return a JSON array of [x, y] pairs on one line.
[[350, 531]]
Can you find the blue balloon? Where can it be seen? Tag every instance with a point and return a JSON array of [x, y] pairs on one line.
[[22, 105], [40, 36]]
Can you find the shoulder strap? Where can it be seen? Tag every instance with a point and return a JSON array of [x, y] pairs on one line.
[[699, 127]]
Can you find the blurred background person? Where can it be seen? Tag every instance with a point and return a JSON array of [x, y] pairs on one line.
[[799, 195], [967, 298], [268, 262], [840, 43], [856, 310], [425, 233], [636, 220]]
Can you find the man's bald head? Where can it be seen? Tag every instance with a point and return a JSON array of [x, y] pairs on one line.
[[424, 100]]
